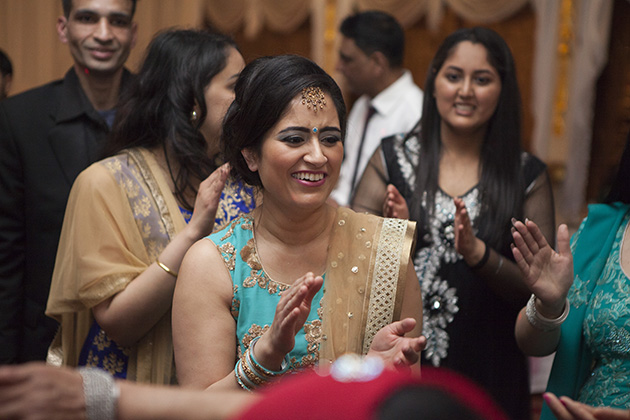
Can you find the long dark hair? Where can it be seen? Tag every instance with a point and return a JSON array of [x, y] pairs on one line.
[[156, 110], [263, 92], [501, 184]]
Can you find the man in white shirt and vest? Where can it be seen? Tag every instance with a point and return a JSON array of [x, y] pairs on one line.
[[370, 59]]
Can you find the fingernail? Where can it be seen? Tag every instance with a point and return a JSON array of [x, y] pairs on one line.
[[546, 397], [513, 221], [526, 220]]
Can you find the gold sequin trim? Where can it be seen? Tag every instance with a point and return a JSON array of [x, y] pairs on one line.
[[257, 275], [385, 280], [229, 255]]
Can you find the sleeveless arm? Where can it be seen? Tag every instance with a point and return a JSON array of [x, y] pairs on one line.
[[204, 331]]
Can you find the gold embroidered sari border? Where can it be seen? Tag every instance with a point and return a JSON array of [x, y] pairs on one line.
[[154, 188]]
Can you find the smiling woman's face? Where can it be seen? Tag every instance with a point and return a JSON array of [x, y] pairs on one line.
[[467, 89], [301, 155]]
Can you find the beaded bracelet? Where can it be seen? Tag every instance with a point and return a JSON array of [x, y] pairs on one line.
[[499, 265], [101, 394], [542, 323]]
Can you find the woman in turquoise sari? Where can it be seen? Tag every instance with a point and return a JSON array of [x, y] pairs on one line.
[[580, 307], [297, 281]]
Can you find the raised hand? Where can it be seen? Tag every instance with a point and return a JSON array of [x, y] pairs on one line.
[[291, 314], [548, 274], [396, 350], [207, 201], [394, 204], [564, 408], [466, 243]]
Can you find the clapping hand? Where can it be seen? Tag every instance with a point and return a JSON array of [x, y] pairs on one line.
[[207, 201], [548, 274], [291, 313], [391, 345], [395, 204], [466, 243]]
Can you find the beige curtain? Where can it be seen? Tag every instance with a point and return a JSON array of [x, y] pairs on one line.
[[566, 144], [405, 11], [485, 11], [282, 16], [286, 15], [590, 56]]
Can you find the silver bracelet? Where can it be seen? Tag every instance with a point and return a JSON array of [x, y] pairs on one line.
[[540, 322], [101, 394], [499, 266]]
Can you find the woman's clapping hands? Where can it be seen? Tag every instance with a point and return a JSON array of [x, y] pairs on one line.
[[390, 342], [207, 202], [291, 314], [395, 204], [394, 348], [548, 274]]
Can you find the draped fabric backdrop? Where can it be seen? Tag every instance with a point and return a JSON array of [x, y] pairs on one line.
[[563, 82]]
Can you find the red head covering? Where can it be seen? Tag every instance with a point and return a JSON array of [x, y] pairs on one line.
[[311, 396]]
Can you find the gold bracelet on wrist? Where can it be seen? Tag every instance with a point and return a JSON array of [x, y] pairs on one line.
[[165, 268]]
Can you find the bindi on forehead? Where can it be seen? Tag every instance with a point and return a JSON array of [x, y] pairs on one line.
[[313, 97]]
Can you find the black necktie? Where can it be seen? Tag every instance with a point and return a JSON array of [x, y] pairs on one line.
[[371, 111]]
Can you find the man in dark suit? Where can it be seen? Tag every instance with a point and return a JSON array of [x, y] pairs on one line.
[[47, 136]]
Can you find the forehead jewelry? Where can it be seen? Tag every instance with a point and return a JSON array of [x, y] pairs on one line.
[[315, 130], [313, 96]]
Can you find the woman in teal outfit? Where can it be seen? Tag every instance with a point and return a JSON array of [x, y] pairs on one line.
[[587, 283], [249, 303], [132, 216]]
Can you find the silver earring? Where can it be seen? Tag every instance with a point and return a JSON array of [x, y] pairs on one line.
[[193, 116]]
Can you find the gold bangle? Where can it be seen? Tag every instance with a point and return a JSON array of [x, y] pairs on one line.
[[165, 268]]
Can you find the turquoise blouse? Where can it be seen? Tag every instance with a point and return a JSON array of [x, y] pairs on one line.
[[606, 329], [256, 294]]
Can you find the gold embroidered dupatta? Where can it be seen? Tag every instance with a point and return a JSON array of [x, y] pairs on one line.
[[365, 281], [119, 218]]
